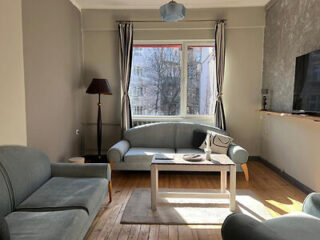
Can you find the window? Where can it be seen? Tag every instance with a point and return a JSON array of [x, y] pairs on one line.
[[201, 75], [138, 71], [137, 91], [138, 110], [137, 52], [173, 79]]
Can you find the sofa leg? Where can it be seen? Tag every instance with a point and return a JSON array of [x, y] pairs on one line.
[[110, 191], [245, 170]]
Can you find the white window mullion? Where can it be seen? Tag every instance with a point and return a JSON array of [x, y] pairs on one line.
[[184, 76]]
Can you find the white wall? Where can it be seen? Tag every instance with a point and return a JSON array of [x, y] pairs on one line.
[[12, 88], [292, 144], [245, 33], [53, 76]]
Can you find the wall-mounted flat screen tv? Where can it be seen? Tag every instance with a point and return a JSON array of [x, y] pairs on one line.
[[306, 97]]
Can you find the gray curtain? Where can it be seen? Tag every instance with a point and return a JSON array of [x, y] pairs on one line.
[[220, 61], [125, 57]]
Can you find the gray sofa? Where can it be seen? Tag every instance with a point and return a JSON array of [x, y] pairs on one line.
[[139, 144], [40, 200], [295, 226]]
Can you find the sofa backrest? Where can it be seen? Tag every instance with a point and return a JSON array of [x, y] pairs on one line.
[[152, 135], [165, 135], [25, 170], [5, 197]]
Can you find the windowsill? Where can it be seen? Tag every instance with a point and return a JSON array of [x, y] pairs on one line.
[[162, 118]]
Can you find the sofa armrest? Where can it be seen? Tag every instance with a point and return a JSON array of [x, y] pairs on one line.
[[311, 204], [117, 151], [238, 154], [238, 226], [88, 170]]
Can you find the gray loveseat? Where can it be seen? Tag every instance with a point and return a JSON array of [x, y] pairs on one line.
[[139, 144], [39, 200], [295, 226]]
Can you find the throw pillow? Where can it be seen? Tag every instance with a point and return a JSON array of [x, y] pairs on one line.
[[218, 143], [4, 230], [198, 137]]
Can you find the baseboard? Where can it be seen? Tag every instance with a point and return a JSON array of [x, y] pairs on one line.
[[283, 174], [254, 158]]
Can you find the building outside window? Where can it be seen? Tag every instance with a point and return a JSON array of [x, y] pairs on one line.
[[173, 79], [138, 110], [137, 52]]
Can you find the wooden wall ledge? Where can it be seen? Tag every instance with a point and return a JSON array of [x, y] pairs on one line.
[[301, 116]]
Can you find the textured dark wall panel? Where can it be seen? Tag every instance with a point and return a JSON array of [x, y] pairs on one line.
[[292, 29]]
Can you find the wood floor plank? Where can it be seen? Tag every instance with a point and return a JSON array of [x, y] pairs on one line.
[[173, 232], [163, 232], [124, 232], [184, 232], [154, 232], [144, 232], [134, 232], [202, 234], [277, 194]]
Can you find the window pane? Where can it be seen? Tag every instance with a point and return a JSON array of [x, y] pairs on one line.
[[201, 80], [155, 80]]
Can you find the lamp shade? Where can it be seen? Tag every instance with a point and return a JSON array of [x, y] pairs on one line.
[[172, 12], [99, 86]]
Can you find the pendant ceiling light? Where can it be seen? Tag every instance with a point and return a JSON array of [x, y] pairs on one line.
[[172, 12]]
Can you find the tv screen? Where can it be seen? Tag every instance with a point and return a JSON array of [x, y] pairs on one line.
[[306, 97]]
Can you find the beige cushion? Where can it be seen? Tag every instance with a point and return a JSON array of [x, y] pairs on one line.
[[218, 143]]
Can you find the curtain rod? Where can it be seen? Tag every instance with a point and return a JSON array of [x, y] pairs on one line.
[[158, 21]]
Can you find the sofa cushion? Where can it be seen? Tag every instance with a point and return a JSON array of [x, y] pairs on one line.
[[189, 150], [152, 136], [67, 193], [62, 225], [26, 168], [296, 226], [198, 137], [144, 154]]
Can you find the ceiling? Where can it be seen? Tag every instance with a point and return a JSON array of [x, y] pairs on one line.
[[155, 4]]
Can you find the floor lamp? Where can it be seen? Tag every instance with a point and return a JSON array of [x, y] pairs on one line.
[[99, 86]]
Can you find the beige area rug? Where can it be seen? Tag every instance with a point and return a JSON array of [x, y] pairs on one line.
[[189, 211]]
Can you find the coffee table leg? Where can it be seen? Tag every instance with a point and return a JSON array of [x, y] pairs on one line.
[[233, 173], [223, 181], [154, 186]]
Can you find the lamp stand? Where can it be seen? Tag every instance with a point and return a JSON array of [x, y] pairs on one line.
[[99, 128]]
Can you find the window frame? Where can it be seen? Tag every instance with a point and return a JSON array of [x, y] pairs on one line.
[[184, 78]]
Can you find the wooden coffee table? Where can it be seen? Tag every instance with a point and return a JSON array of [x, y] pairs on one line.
[[220, 163]]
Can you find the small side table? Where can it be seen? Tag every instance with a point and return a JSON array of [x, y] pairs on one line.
[[78, 160]]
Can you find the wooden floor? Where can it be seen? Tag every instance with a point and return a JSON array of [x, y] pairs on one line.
[[279, 197]]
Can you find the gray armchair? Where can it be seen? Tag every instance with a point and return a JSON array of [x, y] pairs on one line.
[[303, 225]]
